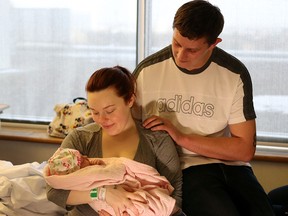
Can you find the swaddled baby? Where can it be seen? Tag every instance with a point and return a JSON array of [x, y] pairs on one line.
[[64, 171], [67, 160]]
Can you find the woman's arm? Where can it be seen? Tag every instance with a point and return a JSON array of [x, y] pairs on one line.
[[168, 163], [59, 197], [66, 198]]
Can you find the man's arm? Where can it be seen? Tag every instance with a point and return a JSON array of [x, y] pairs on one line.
[[240, 146]]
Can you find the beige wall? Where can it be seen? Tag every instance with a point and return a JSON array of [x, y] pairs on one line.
[[25, 152], [269, 174]]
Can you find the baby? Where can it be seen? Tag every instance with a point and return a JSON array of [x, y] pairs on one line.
[[68, 169], [67, 160]]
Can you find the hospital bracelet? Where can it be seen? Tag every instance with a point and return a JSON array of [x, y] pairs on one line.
[[102, 193], [94, 194], [98, 193]]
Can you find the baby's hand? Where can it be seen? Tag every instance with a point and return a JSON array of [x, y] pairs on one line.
[[96, 161]]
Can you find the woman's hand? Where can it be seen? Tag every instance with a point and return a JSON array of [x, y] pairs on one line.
[[104, 213], [121, 200]]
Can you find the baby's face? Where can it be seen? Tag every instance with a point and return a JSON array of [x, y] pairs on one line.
[[85, 162]]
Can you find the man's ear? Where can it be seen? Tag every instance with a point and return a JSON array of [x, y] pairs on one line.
[[212, 46], [218, 40]]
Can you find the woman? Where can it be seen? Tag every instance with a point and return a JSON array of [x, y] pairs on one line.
[[110, 96]]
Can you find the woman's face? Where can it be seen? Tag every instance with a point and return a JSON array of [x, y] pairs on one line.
[[110, 111]]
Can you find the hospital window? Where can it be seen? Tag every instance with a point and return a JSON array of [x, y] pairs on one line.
[[50, 48]]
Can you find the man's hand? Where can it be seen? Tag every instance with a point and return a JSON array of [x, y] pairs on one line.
[[240, 146], [156, 123]]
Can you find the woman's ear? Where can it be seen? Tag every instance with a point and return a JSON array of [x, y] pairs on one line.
[[132, 101]]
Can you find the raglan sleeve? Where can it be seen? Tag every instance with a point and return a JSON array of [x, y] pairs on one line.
[[168, 163], [242, 107]]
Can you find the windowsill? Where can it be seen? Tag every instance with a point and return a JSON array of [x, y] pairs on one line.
[[273, 152], [20, 132]]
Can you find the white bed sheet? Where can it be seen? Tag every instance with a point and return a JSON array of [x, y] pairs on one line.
[[23, 191]]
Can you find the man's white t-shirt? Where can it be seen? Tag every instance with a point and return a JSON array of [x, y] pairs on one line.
[[204, 101]]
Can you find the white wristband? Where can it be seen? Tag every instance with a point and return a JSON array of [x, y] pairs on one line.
[[102, 193]]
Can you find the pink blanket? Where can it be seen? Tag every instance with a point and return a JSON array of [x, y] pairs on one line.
[[143, 179]]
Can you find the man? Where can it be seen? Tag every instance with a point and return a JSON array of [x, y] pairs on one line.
[[202, 96]]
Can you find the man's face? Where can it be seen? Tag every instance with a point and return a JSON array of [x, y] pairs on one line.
[[190, 54]]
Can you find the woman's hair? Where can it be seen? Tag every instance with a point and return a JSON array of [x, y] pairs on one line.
[[120, 78], [197, 19]]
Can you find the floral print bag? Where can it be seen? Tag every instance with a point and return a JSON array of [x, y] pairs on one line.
[[69, 116]]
